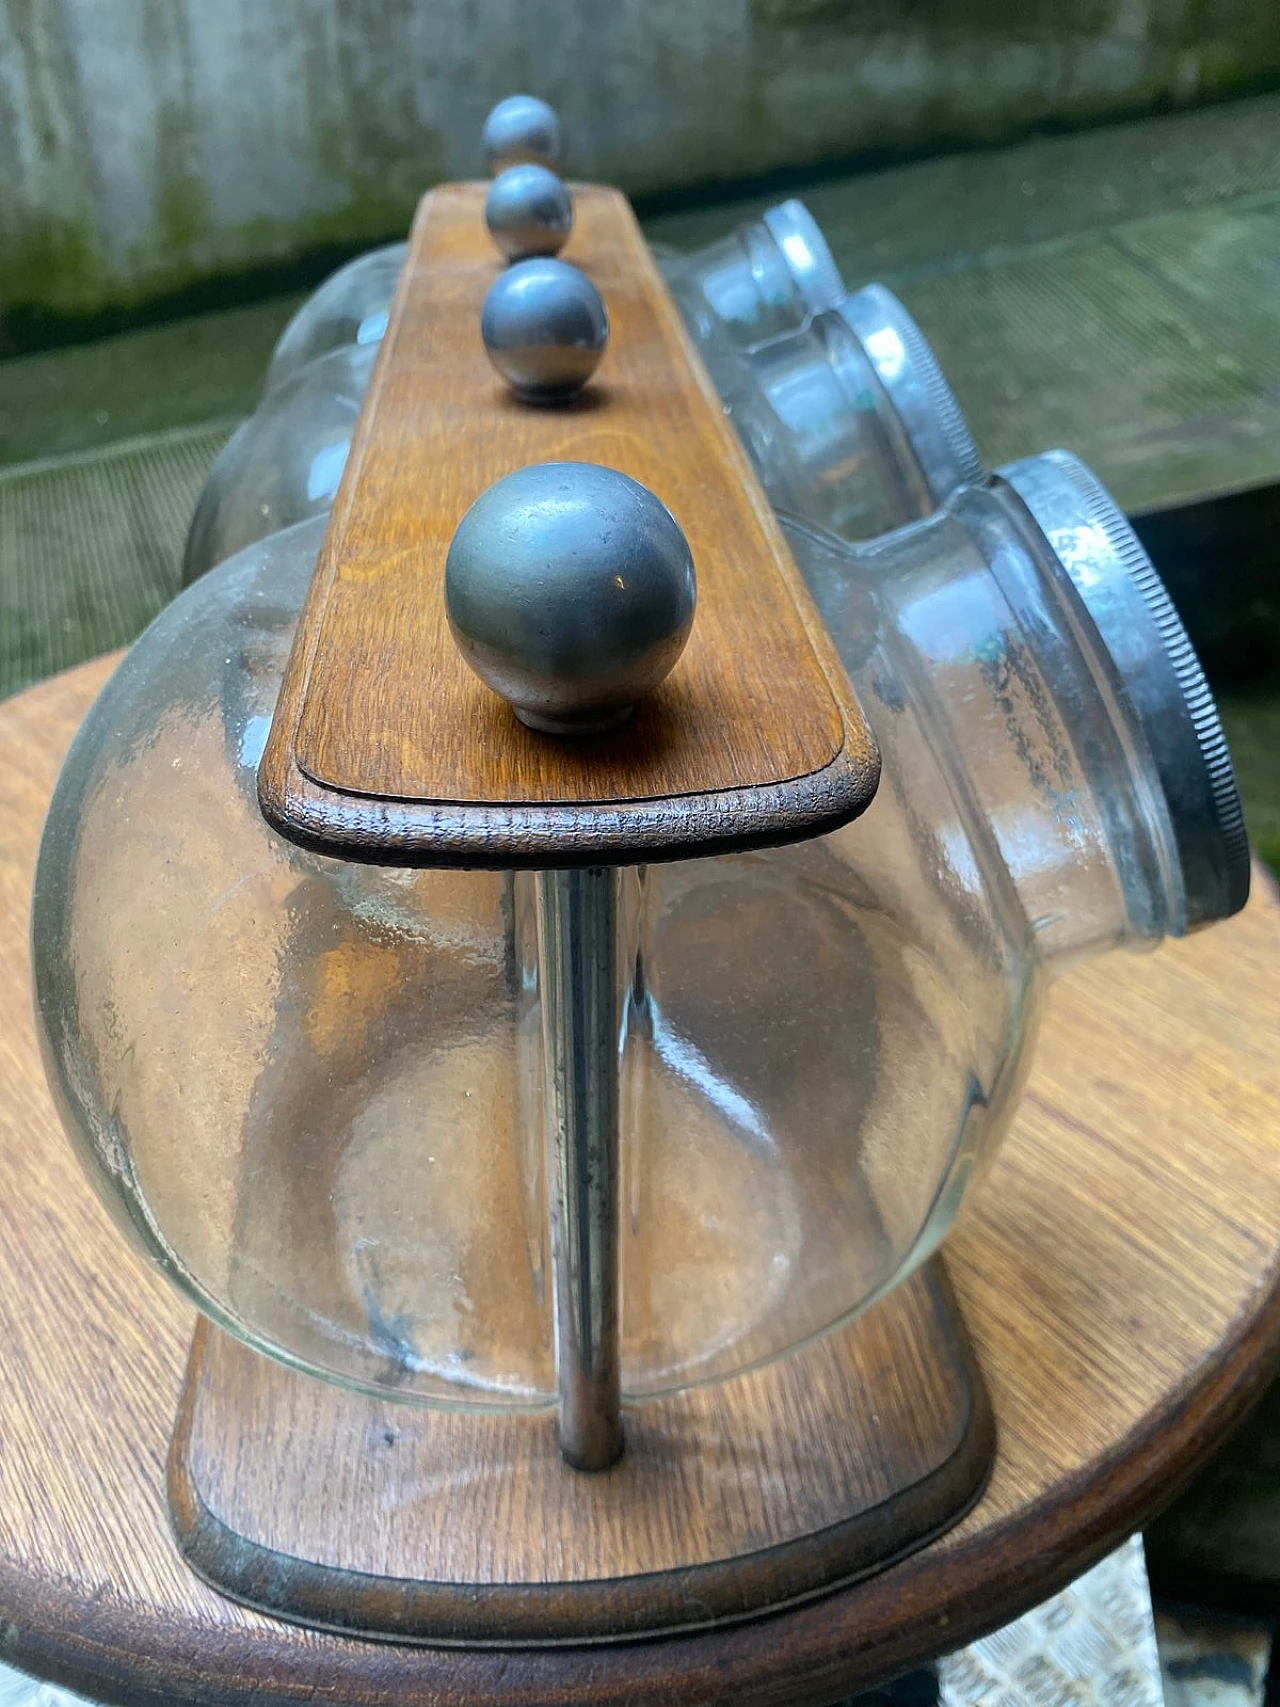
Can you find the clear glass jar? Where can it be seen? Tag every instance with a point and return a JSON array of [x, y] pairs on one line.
[[764, 279], [313, 1090], [284, 463], [849, 421], [350, 307]]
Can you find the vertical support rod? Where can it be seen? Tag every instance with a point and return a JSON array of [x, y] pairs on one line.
[[578, 976]]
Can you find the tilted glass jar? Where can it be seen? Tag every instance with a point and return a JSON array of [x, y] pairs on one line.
[[350, 307], [849, 421], [837, 397], [284, 463], [765, 279], [312, 1089]]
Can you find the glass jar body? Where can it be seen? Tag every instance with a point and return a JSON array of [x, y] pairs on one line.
[[284, 463], [822, 434], [765, 279], [849, 421], [314, 1090], [350, 307]]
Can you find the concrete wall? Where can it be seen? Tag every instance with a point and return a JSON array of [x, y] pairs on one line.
[[148, 144]]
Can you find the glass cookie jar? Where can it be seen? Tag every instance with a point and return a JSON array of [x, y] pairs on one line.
[[763, 280], [311, 1089], [350, 307], [849, 421], [284, 463]]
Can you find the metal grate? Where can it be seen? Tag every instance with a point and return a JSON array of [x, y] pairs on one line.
[[90, 547]]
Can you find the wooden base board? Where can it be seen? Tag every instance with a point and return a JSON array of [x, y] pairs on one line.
[[351, 1513]]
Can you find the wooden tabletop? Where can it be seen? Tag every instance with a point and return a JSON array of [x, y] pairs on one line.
[[1119, 1270]]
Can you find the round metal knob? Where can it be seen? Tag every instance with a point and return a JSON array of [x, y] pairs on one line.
[[521, 128], [528, 212], [570, 590], [545, 327]]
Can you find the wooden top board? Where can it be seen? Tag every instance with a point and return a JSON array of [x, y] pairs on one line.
[[385, 744], [1118, 1268]]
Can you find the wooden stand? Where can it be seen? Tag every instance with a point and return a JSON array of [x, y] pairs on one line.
[[358, 1514], [1119, 1272], [735, 1497], [385, 745]]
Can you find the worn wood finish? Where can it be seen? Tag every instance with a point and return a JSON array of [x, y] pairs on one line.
[[386, 745], [733, 1497], [1118, 1271]]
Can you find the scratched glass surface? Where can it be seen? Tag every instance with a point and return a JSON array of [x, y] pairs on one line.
[[312, 1090]]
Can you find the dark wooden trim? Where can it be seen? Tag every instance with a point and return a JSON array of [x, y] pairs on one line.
[[386, 832]]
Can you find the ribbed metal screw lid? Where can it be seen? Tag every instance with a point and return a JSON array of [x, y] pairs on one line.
[[1157, 672], [925, 404]]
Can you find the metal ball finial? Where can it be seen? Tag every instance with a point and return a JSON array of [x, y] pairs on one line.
[[518, 129], [528, 212], [570, 590], [545, 329]]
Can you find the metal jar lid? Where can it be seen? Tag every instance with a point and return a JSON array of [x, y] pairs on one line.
[[808, 259], [921, 398], [1157, 674]]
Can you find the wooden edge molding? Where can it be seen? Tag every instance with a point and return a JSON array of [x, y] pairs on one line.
[[814, 1653], [114, 1617], [610, 1609], [388, 832]]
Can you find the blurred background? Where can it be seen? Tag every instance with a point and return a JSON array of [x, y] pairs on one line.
[[1078, 200]]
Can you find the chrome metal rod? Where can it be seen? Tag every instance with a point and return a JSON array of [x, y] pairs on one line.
[[578, 974]]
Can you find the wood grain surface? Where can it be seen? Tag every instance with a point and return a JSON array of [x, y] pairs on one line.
[[1118, 1270], [731, 1497], [385, 744]]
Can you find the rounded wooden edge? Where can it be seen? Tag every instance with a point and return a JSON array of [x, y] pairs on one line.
[[506, 1615], [815, 1653], [507, 837]]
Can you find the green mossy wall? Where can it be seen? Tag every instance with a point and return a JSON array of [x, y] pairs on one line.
[[150, 145]]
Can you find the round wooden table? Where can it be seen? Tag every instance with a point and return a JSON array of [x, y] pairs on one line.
[[1118, 1268]]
